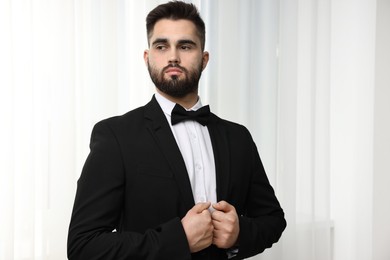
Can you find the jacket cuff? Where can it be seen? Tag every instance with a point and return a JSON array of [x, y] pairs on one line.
[[174, 241]]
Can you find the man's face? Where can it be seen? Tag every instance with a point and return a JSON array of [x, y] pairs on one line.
[[175, 59]]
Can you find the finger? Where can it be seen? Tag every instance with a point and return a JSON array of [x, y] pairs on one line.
[[218, 215], [206, 213], [223, 206], [217, 225], [200, 207], [221, 218]]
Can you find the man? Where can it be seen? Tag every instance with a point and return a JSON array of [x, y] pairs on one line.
[[161, 183]]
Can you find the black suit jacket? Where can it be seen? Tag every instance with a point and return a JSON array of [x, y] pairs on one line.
[[135, 182]]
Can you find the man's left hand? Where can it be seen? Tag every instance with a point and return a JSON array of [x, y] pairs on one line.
[[226, 225]]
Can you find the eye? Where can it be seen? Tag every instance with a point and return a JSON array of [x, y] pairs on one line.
[[186, 47], [160, 47]]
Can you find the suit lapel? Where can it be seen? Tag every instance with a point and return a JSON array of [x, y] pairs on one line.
[[162, 133], [219, 140]]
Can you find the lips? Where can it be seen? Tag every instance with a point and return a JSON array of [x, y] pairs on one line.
[[173, 71]]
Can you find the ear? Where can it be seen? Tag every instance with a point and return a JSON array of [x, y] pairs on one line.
[[205, 60], [146, 57]]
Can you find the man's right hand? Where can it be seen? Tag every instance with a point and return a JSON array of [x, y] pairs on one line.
[[198, 226]]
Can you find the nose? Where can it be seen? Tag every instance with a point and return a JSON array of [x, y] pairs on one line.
[[174, 57]]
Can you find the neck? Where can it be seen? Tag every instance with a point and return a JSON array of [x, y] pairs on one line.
[[187, 101]]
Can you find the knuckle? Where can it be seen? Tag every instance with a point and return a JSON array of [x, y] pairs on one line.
[[229, 230]]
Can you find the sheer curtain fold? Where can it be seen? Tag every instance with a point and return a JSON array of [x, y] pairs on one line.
[[60, 74], [279, 69]]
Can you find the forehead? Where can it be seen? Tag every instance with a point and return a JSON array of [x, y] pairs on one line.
[[174, 30]]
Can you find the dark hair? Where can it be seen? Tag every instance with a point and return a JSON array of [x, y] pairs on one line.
[[176, 10]]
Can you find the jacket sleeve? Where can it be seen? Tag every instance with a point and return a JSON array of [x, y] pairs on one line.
[[263, 221], [98, 209]]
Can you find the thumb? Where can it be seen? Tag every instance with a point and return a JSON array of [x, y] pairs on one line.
[[222, 206], [199, 207]]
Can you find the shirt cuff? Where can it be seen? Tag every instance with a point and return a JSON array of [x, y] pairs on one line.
[[232, 252]]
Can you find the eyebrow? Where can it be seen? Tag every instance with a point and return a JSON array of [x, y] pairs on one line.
[[180, 42], [187, 42], [160, 40]]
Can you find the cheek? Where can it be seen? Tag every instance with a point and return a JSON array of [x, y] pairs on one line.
[[197, 64], [192, 61], [156, 60]]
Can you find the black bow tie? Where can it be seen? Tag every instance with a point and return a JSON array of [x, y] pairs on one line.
[[201, 115]]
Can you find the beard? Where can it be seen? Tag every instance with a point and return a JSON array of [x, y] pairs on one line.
[[174, 86]]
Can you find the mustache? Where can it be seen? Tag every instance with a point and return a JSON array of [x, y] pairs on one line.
[[174, 65]]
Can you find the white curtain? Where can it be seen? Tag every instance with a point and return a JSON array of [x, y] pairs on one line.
[[300, 74]]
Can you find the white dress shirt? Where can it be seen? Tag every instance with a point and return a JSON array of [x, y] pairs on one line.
[[195, 146]]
